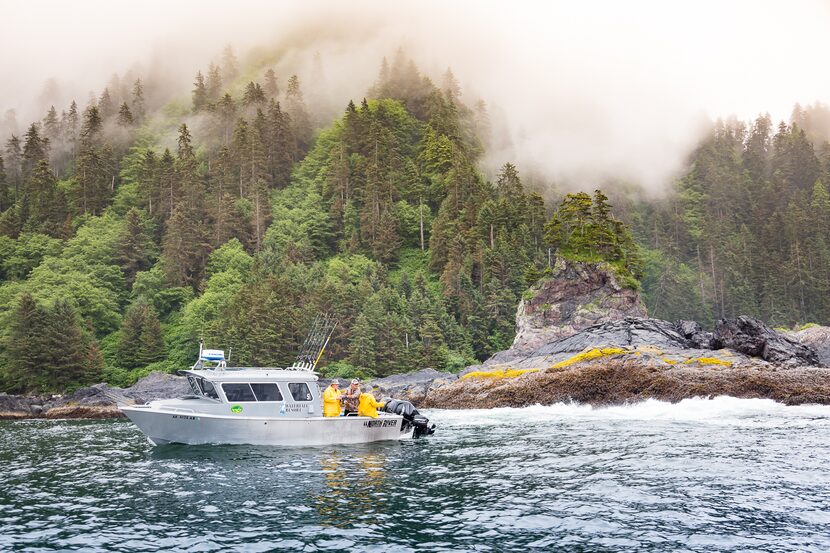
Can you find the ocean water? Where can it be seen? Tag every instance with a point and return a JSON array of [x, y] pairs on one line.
[[702, 475]]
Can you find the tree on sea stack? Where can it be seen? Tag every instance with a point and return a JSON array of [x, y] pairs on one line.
[[583, 229]]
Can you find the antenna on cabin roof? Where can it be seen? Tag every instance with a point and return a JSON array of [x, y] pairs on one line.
[[315, 343], [215, 358]]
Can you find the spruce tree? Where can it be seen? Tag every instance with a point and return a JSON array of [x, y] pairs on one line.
[[5, 196], [152, 339], [35, 149], [14, 164], [125, 116], [70, 125], [300, 121], [200, 93], [135, 248], [27, 354], [129, 344], [230, 66], [142, 340], [52, 127], [66, 346], [106, 107], [213, 83], [43, 205], [139, 109], [272, 89], [253, 95]]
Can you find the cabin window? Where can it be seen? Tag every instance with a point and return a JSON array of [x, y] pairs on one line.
[[266, 392], [299, 391], [238, 392], [208, 389]]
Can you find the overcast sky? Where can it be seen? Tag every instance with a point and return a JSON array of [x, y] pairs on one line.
[[589, 89]]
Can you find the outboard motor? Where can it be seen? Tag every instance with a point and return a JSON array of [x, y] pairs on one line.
[[411, 417]]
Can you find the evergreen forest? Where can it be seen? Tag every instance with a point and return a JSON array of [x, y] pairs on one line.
[[140, 223]]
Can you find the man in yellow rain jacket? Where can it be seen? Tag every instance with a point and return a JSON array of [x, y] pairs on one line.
[[331, 400], [368, 406]]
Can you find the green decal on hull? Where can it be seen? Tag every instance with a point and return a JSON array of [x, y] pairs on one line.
[[236, 408]]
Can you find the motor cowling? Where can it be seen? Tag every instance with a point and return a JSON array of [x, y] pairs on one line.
[[411, 416]]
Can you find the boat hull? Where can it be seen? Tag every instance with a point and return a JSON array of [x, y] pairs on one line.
[[164, 427]]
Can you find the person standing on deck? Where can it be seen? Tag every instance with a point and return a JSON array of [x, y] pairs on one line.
[[368, 406], [351, 396], [331, 400]]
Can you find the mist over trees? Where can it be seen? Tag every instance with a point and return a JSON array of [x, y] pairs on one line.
[[132, 228]]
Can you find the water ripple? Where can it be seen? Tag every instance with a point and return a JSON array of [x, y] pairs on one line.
[[717, 475]]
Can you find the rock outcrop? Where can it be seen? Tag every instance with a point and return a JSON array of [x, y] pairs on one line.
[[574, 297], [629, 358], [415, 386], [93, 402], [753, 337], [817, 338]]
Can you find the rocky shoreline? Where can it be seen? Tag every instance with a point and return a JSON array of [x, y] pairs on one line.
[[581, 337], [94, 402], [612, 363]]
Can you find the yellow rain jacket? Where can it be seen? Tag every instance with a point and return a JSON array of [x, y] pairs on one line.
[[368, 406], [331, 402]]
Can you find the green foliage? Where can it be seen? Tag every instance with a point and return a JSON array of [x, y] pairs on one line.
[[46, 349], [141, 341], [345, 371], [583, 229], [150, 235], [19, 257]]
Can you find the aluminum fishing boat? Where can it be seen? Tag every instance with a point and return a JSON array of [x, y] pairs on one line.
[[265, 406]]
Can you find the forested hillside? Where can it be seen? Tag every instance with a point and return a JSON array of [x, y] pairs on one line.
[[747, 229], [138, 224]]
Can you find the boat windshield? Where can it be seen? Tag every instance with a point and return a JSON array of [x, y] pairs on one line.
[[208, 388], [194, 385]]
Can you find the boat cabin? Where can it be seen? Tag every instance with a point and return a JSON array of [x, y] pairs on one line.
[[255, 391]]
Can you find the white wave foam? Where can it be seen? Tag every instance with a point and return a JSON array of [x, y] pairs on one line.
[[718, 410]]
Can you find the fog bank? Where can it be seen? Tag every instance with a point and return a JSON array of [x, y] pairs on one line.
[[579, 92]]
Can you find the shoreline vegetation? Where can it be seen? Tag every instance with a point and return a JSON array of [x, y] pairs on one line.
[[134, 226], [574, 344]]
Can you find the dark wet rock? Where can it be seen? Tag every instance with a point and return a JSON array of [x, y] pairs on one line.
[[157, 385], [630, 331], [694, 333], [413, 387], [95, 402], [752, 337], [574, 297], [817, 338]]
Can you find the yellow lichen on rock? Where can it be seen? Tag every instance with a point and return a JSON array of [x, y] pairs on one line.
[[708, 361], [498, 373], [589, 355]]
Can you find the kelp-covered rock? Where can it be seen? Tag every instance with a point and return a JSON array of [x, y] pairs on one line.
[[752, 337], [631, 378], [575, 296]]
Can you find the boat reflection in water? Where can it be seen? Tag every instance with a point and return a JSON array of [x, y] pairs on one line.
[[354, 485]]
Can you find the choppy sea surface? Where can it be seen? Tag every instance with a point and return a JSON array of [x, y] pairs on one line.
[[702, 475]]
